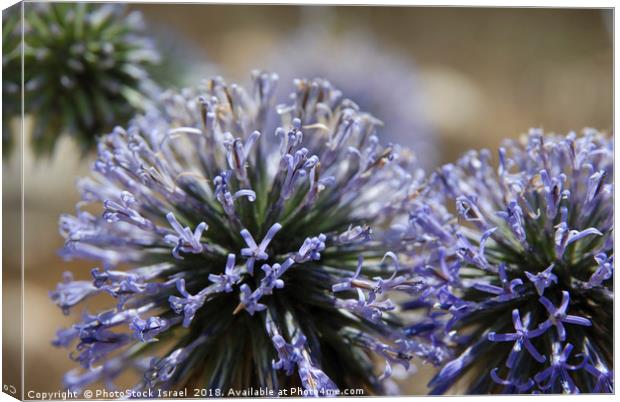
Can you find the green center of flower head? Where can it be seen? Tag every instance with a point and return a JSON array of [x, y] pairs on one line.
[[247, 254], [519, 281]]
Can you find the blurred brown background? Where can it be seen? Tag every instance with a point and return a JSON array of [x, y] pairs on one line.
[[483, 75]]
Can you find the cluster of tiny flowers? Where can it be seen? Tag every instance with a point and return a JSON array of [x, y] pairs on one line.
[[85, 70], [515, 264], [240, 255]]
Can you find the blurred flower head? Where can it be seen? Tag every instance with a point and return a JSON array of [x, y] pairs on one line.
[[378, 79], [516, 266], [239, 257], [84, 70], [11, 73]]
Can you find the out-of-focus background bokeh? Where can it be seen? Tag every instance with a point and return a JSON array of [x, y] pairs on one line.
[[443, 80]]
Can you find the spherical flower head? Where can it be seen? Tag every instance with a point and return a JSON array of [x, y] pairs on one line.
[[250, 254], [84, 70], [517, 264]]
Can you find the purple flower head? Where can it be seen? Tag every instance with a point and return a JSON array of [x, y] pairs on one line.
[[197, 193], [525, 259]]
